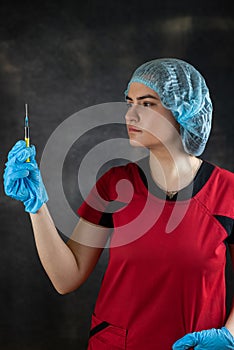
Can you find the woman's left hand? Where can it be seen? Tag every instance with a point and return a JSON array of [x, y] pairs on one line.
[[211, 339]]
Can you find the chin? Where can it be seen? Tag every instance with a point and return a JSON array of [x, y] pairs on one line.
[[135, 143]]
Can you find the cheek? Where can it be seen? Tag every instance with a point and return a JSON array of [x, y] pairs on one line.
[[171, 119], [161, 127], [152, 138]]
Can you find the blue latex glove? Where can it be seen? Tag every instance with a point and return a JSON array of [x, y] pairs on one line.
[[22, 180], [211, 339]]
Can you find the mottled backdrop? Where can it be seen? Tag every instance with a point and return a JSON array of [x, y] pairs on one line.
[[61, 57]]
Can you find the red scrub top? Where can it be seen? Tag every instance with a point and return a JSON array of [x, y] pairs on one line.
[[166, 271]]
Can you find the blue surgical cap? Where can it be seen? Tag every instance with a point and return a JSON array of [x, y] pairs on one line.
[[182, 90]]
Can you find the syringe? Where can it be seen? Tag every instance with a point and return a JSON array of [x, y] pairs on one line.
[[26, 129]]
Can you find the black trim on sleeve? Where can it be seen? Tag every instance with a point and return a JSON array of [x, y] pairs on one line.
[[107, 219]]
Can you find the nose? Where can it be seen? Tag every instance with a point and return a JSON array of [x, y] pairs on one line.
[[132, 115]]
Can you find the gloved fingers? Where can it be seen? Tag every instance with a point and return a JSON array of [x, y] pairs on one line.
[[13, 168], [188, 341], [33, 149], [18, 149], [21, 156], [16, 188], [19, 145], [19, 191], [20, 174], [12, 184], [24, 154]]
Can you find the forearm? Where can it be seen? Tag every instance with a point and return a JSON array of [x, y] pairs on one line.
[[56, 257], [230, 321]]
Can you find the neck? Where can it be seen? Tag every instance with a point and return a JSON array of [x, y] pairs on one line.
[[173, 171]]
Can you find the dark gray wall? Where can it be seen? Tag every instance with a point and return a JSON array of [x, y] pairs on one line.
[[61, 57]]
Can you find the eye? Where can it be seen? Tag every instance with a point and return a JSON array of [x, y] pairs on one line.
[[129, 104], [148, 104]]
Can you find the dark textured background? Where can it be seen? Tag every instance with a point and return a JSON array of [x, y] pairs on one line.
[[61, 57]]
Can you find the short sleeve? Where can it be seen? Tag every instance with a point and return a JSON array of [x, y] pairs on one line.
[[95, 208], [112, 194]]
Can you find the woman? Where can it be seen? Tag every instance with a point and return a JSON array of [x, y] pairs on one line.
[[164, 286]]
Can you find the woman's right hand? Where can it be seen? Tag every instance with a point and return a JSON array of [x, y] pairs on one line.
[[22, 180]]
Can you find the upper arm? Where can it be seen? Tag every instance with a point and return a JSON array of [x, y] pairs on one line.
[[87, 242]]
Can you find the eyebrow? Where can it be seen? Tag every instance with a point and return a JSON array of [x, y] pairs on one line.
[[142, 97]]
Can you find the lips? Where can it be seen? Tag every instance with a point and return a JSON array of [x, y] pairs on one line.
[[133, 129]]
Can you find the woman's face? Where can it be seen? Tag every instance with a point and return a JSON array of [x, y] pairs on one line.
[[149, 123]]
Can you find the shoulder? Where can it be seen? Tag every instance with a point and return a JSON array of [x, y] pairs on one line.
[[218, 192], [119, 182], [224, 177], [229, 175], [128, 170], [112, 176]]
